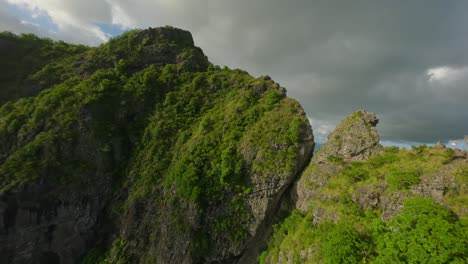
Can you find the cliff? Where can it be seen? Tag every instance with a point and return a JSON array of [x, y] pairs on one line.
[[140, 151]]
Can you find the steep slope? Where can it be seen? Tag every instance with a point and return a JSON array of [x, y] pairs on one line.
[[141, 151], [23, 56], [358, 202]]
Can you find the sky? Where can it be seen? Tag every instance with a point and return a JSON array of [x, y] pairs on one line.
[[407, 61]]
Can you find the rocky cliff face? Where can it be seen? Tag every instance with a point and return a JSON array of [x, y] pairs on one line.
[[141, 151], [354, 139], [209, 221]]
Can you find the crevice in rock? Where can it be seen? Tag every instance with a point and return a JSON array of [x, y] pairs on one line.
[[279, 209]]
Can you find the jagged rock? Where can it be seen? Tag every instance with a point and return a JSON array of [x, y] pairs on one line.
[[369, 196], [435, 185], [320, 215], [166, 34], [439, 145], [354, 139], [392, 204]]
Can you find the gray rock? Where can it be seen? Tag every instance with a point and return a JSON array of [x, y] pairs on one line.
[[435, 185], [439, 145], [354, 139], [49, 226], [369, 196], [392, 204]]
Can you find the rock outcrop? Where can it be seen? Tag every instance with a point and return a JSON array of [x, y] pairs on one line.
[[354, 139]]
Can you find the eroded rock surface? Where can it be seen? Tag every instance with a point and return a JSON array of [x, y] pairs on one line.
[[354, 139]]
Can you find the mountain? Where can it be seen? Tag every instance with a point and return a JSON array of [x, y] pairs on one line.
[[142, 151]]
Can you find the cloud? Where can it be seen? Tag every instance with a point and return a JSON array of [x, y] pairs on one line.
[[11, 23], [322, 128], [404, 60], [76, 20]]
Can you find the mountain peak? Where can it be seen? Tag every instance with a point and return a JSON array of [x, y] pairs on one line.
[[355, 138], [166, 34], [153, 46]]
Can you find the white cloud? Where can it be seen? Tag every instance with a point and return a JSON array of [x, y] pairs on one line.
[[119, 16], [74, 19], [322, 128], [440, 73], [24, 22], [447, 74]]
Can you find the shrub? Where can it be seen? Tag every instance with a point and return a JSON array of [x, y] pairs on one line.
[[424, 232], [340, 243], [399, 179], [356, 171]]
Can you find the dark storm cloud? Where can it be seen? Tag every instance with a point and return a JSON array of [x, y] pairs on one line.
[[405, 60]]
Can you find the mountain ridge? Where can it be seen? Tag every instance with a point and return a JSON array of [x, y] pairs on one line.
[[142, 151]]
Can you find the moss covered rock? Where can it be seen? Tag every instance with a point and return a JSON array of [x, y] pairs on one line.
[[141, 151]]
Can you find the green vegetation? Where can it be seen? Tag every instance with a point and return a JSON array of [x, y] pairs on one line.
[[344, 225], [147, 113], [116, 255], [206, 160], [23, 56], [341, 243], [402, 179], [176, 147], [423, 232]]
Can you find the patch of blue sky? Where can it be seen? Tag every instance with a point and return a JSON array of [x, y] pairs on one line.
[[460, 144], [40, 20], [111, 30]]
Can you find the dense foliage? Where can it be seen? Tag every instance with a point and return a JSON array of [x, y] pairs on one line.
[[356, 230], [147, 115], [23, 56], [424, 232]]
